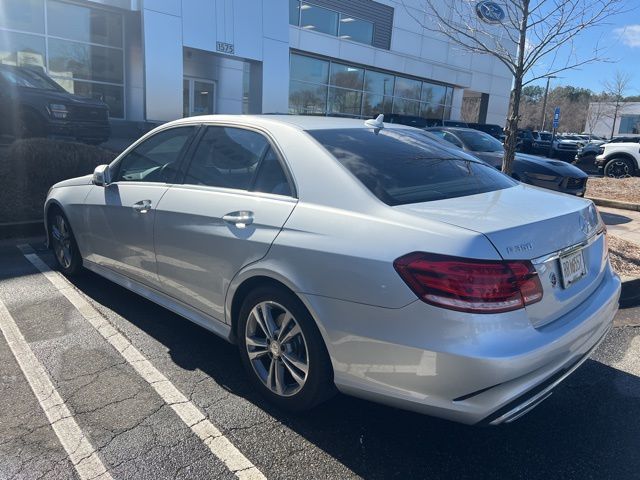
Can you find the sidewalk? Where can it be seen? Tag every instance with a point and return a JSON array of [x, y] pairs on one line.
[[623, 224]]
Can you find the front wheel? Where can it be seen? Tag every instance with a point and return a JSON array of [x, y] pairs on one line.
[[619, 168], [283, 351], [64, 244]]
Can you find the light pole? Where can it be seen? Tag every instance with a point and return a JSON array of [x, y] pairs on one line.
[[544, 103]]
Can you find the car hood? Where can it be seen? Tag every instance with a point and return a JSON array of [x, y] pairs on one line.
[[51, 96], [556, 166], [506, 217], [74, 182]]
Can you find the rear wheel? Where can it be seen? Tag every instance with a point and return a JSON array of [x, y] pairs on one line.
[[619, 168], [282, 350], [64, 244]]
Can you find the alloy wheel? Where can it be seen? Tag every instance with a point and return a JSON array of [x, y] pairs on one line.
[[618, 169], [277, 348], [62, 241]]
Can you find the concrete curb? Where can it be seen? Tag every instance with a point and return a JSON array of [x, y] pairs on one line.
[[605, 202]]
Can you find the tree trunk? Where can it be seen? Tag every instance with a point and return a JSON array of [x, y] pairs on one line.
[[615, 117], [511, 130]]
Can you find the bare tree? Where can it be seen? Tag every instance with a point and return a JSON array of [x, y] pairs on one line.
[[616, 89], [525, 35]]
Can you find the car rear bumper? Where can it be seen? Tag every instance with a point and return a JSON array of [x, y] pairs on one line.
[[462, 367]]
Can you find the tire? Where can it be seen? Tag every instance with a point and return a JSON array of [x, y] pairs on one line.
[[619, 168], [277, 360], [30, 125], [63, 243]]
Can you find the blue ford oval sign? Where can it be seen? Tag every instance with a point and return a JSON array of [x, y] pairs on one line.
[[490, 12]]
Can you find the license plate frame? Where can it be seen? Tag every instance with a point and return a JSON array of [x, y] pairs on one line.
[[572, 268]]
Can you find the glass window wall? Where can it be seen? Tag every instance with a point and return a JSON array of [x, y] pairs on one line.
[[80, 47], [318, 19], [354, 29], [24, 15], [308, 16], [325, 87]]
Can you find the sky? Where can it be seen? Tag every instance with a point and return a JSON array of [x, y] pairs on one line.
[[619, 40]]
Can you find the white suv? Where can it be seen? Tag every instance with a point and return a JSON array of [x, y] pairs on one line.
[[619, 159]]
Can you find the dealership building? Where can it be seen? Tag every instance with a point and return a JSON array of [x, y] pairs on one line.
[[158, 60]]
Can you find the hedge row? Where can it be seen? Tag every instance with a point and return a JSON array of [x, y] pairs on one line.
[[28, 168]]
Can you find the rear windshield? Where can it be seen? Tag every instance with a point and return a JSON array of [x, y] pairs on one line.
[[477, 141], [404, 166]]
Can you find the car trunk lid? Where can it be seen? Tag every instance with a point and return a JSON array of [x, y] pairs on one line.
[[527, 223]]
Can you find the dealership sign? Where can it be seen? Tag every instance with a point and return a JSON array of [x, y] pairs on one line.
[[490, 12]]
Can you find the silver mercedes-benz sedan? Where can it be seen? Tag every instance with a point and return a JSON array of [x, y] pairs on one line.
[[348, 255]]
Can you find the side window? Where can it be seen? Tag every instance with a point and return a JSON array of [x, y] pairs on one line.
[[155, 159], [270, 177], [226, 157]]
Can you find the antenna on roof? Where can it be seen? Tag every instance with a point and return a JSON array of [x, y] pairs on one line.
[[377, 123]]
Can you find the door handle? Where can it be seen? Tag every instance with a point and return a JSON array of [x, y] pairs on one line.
[[143, 206], [240, 219]]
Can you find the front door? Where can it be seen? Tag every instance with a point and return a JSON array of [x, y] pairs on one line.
[[232, 205], [121, 215], [198, 97]]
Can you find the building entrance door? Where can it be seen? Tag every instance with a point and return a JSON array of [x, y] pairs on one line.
[[198, 97]]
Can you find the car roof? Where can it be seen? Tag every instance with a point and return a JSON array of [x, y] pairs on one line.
[[456, 129], [303, 122]]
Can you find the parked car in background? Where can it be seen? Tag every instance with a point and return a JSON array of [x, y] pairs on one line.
[[629, 139], [350, 255], [585, 159], [496, 131], [534, 142], [619, 159], [421, 122], [566, 147], [546, 173], [33, 105]]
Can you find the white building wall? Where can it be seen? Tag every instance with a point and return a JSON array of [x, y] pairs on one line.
[[259, 31], [600, 118], [162, 43]]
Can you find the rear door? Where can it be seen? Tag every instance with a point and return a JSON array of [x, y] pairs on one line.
[[234, 200], [121, 215]]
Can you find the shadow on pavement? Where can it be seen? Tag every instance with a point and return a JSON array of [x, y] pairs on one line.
[[630, 296], [587, 429], [614, 219]]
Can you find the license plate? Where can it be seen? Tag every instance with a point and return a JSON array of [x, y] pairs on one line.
[[573, 268]]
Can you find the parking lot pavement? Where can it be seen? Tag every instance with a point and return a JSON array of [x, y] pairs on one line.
[[587, 429], [622, 223]]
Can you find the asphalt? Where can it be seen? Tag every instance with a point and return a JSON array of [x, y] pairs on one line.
[[589, 428]]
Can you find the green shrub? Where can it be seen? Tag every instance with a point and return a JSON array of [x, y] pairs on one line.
[[28, 168]]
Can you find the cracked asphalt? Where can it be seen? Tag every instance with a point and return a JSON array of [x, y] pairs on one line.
[[589, 428]]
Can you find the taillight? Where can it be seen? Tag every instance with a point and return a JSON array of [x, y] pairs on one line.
[[468, 285]]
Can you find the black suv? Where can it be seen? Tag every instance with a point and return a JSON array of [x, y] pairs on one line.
[[33, 105], [531, 141]]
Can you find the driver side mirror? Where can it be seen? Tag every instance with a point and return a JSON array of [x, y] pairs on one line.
[[101, 176]]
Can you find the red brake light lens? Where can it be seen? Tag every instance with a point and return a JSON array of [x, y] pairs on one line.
[[468, 285]]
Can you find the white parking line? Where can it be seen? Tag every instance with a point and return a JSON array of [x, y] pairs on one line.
[[219, 445], [80, 451]]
